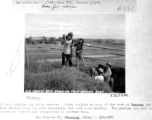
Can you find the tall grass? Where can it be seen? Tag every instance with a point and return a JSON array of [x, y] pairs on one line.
[[39, 67], [50, 76], [63, 79]]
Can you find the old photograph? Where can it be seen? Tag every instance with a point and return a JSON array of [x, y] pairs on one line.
[[75, 53]]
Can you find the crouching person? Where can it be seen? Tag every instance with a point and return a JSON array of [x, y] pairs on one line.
[[107, 76], [100, 76], [95, 71]]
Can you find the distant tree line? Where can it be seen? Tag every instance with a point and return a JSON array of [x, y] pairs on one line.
[[42, 40], [53, 40], [100, 41]]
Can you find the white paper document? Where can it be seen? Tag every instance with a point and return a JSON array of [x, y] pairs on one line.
[[76, 60]]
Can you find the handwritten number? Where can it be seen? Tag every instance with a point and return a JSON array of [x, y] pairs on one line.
[[125, 8], [119, 95]]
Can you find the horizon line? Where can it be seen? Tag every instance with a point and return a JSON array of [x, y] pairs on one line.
[[79, 37]]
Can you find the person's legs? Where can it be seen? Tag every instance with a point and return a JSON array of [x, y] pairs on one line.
[[66, 59], [70, 60], [63, 59], [83, 62], [77, 59], [81, 58]]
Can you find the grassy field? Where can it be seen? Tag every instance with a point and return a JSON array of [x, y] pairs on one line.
[[51, 76]]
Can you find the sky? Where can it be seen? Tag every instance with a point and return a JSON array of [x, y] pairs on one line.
[[93, 26]]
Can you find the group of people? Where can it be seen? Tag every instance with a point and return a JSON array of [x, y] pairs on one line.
[[67, 52], [99, 73], [103, 74]]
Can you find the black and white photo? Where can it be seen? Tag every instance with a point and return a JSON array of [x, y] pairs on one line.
[[75, 53]]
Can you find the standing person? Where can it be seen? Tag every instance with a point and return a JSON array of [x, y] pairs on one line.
[[71, 50], [66, 52], [107, 74], [79, 49], [63, 54]]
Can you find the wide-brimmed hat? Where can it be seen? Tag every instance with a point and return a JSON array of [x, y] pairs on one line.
[[109, 64], [100, 70]]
